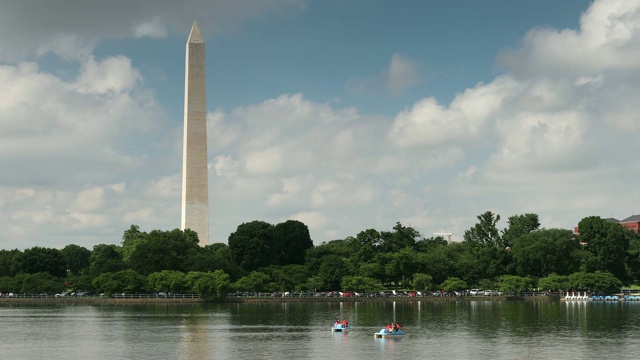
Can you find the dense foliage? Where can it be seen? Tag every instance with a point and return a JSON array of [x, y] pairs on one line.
[[261, 257]]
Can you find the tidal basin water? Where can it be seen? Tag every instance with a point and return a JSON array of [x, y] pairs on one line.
[[437, 330]]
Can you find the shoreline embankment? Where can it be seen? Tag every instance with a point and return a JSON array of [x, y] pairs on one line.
[[162, 300]]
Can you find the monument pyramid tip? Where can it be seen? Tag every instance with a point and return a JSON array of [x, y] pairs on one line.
[[196, 35]]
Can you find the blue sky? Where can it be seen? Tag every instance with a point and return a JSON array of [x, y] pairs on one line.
[[346, 115]]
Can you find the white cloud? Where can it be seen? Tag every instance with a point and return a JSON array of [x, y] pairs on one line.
[[292, 190], [466, 119], [264, 162], [168, 186], [89, 200], [79, 220], [70, 29], [556, 126], [608, 40], [153, 29], [118, 188], [545, 136], [403, 73], [225, 166], [70, 145], [114, 74], [140, 215], [66, 46], [315, 221]]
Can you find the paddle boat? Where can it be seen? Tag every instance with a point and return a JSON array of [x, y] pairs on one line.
[[390, 334], [340, 327]]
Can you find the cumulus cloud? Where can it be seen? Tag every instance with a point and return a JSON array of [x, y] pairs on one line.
[[291, 156], [546, 135], [114, 74], [608, 40], [45, 116], [549, 128], [71, 141]]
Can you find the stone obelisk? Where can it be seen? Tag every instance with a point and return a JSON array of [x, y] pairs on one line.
[[195, 192]]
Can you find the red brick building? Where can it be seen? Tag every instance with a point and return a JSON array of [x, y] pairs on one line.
[[631, 223]]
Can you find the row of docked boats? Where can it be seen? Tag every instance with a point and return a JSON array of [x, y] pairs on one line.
[[585, 297], [615, 298]]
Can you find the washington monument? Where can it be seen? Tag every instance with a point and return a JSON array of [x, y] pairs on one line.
[[195, 193]]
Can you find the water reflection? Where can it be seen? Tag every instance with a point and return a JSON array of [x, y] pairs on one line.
[[453, 330]]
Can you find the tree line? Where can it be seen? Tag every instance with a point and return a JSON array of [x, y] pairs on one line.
[[261, 257]]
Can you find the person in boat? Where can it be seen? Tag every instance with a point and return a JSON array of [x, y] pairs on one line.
[[345, 323], [337, 323]]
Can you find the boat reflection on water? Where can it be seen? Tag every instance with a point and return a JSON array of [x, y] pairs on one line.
[[389, 345]]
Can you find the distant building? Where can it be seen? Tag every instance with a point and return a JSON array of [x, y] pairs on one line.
[[631, 223]]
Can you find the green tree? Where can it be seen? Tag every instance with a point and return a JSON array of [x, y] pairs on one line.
[[469, 261], [422, 281], [365, 246], [598, 282], [400, 238], [250, 245], [430, 244], [167, 281], [315, 255], [212, 284], [38, 259], [41, 283], [554, 282], [607, 244], [435, 262], [164, 250], [633, 259], [374, 270], [313, 283], [106, 259], [9, 262], [106, 283], [82, 282], [124, 281], [453, 284], [7, 284], [484, 251], [519, 225], [511, 284], [77, 258], [130, 240], [331, 271], [288, 277], [131, 282], [215, 257], [544, 252], [485, 232], [400, 266], [290, 242], [360, 284], [255, 281]]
